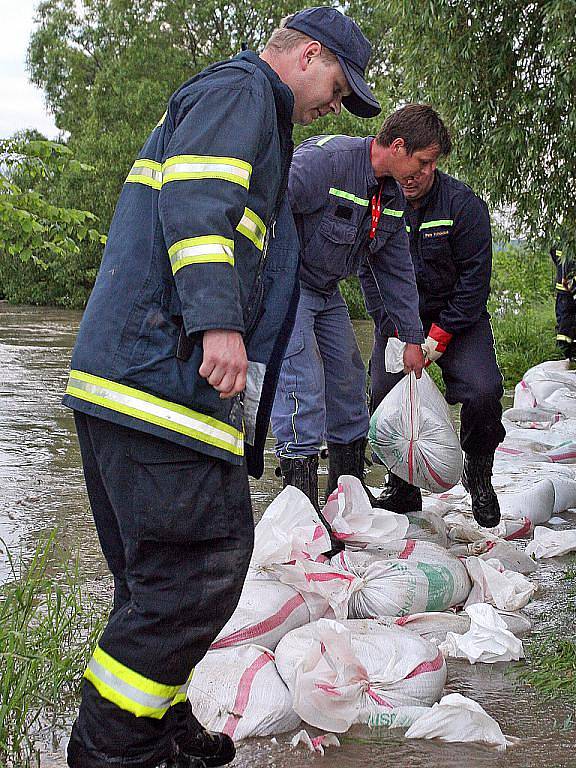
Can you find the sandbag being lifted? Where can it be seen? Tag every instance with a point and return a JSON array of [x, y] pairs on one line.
[[412, 433]]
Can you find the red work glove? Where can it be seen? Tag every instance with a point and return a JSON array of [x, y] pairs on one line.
[[435, 344]]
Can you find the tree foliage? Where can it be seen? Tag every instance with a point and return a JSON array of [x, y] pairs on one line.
[[42, 260], [503, 74]]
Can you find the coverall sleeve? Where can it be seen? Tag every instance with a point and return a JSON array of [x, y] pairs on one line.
[[471, 242], [309, 179], [390, 266], [207, 168]]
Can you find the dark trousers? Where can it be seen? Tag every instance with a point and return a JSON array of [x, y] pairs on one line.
[[177, 532], [472, 377]]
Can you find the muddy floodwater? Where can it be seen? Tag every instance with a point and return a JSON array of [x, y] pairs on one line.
[[41, 487]]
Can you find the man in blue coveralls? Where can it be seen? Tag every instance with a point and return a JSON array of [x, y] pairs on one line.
[[451, 248], [348, 210]]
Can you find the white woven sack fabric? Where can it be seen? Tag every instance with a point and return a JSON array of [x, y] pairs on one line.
[[289, 529], [412, 433], [434, 626], [341, 673], [534, 502], [548, 543], [435, 561], [266, 611], [459, 719], [488, 640], [400, 587], [491, 583], [355, 522], [238, 691], [425, 525]]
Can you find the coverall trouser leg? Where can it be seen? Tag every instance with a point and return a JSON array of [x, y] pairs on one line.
[[472, 377], [321, 393], [177, 532]]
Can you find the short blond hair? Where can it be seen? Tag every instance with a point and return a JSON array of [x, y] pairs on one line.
[[285, 39]]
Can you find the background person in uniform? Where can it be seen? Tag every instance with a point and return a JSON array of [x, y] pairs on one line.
[[565, 304], [158, 367], [348, 211], [451, 247]]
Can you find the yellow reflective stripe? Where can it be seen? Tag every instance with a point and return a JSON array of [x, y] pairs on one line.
[[128, 689], [562, 337], [348, 196], [437, 223], [154, 410], [146, 172], [392, 212], [183, 167], [408, 228], [208, 249], [159, 123], [559, 254], [325, 139], [252, 227], [560, 287]]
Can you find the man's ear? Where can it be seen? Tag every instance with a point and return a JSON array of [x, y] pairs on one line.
[[309, 52], [397, 145]]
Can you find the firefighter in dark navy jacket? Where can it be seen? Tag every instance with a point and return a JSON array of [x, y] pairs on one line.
[[451, 247], [349, 214], [565, 304], [164, 396]]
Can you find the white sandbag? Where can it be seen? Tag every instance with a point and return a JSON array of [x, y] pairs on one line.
[[434, 626], [564, 401], [459, 719], [400, 587], [289, 529], [511, 558], [355, 522], [266, 611], [425, 525], [412, 433], [547, 543], [541, 417], [564, 453], [534, 502], [491, 583], [463, 528], [488, 640], [238, 691], [427, 555], [342, 672]]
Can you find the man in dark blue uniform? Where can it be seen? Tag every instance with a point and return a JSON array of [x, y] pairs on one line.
[[161, 384], [451, 248], [348, 210], [565, 304]]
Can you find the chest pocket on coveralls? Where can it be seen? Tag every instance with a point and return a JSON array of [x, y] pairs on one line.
[[438, 262], [336, 239]]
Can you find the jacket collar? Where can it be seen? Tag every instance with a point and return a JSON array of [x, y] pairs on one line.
[[283, 96]]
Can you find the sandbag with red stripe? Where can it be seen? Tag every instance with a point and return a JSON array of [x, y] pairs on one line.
[[412, 433], [238, 691], [342, 673], [266, 611]]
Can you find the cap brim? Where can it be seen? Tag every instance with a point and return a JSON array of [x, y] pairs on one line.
[[361, 101]]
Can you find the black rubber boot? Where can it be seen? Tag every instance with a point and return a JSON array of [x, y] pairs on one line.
[[303, 474], [399, 496], [477, 479], [79, 758], [347, 459], [209, 748]]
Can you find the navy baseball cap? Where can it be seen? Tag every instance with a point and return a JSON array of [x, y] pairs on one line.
[[345, 39]]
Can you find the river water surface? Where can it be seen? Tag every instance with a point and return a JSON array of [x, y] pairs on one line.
[[41, 487]]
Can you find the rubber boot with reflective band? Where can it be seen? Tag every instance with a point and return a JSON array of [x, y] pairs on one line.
[[399, 496], [347, 459], [302, 473], [477, 479]]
